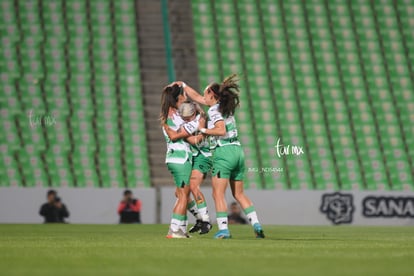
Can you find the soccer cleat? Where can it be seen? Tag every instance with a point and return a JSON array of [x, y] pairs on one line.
[[258, 231], [197, 227], [205, 227], [223, 234], [177, 234]]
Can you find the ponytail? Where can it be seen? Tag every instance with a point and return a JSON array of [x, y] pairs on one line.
[[227, 93]]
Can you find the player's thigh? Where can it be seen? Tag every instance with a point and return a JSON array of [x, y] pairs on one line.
[[196, 174], [196, 179], [201, 165]]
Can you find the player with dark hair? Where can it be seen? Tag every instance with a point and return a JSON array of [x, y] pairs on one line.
[[228, 156], [201, 160], [179, 155]]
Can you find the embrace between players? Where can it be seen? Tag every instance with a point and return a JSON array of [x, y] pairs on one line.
[[196, 144]]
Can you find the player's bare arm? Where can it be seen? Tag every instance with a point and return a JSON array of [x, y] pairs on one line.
[[181, 133], [218, 130], [192, 93], [196, 139]]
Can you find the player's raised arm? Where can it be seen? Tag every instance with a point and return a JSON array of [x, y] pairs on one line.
[[192, 93]]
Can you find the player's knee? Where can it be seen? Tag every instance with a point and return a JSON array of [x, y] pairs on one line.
[[182, 193], [194, 188]]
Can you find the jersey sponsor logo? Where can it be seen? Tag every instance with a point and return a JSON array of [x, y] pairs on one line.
[[339, 208], [388, 207]]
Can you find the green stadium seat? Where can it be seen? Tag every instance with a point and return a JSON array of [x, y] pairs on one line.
[[346, 98], [334, 86], [48, 66]]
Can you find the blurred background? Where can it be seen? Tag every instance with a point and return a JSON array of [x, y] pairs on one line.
[[80, 98]]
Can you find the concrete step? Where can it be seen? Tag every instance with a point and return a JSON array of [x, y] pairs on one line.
[[182, 35], [154, 77]]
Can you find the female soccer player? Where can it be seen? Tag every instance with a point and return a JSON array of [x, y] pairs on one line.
[[228, 156], [201, 160], [178, 157]]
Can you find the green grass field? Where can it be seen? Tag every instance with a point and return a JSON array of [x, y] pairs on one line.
[[144, 250]]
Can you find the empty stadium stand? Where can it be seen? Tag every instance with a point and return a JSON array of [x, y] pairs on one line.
[[154, 77], [71, 101], [334, 77], [154, 69], [79, 87]]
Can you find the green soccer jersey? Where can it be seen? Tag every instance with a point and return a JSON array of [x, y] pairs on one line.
[[178, 151], [201, 148], [204, 146], [231, 136]]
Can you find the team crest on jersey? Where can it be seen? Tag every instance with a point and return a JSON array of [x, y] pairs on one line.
[[339, 208]]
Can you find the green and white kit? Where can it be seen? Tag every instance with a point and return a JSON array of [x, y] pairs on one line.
[[201, 154], [228, 156], [179, 154]]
